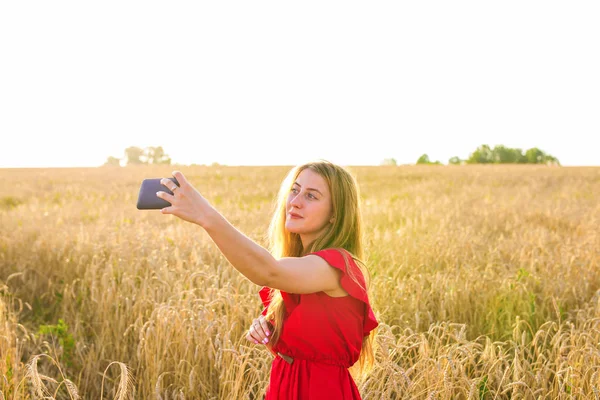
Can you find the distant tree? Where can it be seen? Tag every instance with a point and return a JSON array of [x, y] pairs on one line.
[[133, 155], [149, 155], [483, 155], [506, 155], [551, 160], [537, 156], [156, 155], [520, 156], [534, 155], [424, 159], [455, 161], [113, 161], [389, 161]]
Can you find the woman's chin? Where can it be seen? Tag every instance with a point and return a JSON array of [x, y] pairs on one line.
[[292, 229]]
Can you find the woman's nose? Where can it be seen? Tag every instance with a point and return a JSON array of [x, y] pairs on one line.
[[296, 201]]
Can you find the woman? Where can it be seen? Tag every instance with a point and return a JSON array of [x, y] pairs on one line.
[[317, 318]]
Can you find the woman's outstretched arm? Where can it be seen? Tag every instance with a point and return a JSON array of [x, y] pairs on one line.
[[308, 274]]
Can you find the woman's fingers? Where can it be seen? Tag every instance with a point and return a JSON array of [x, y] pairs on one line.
[[251, 338], [169, 184], [262, 327], [167, 210], [259, 331], [265, 325], [253, 335], [165, 196], [180, 178]]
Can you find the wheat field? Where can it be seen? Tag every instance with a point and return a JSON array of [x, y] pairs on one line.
[[485, 280]]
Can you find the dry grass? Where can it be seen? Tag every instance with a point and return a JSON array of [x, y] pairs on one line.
[[485, 279]]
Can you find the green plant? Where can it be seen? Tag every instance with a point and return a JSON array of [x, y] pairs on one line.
[[65, 339]]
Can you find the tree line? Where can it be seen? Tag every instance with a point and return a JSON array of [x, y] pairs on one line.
[[498, 155], [138, 156], [482, 155]]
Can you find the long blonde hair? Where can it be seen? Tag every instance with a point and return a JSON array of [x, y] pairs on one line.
[[345, 232]]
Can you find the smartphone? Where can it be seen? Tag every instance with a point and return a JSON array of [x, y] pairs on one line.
[[147, 198]]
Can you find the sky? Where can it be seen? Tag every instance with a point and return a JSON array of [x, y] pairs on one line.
[[281, 83]]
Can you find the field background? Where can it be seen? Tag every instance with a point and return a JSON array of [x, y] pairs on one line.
[[485, 279]]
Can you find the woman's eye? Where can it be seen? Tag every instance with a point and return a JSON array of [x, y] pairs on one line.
[[310, 195], [294, 190]]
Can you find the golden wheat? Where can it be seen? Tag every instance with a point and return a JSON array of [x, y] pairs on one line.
[[485, 280]]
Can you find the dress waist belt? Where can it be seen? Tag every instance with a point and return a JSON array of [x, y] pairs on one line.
[[286, 358], [290, 360]]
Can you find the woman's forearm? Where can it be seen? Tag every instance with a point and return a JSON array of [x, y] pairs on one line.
[[252, 260]]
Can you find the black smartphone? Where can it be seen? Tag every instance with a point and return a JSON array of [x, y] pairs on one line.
[[147, 198]]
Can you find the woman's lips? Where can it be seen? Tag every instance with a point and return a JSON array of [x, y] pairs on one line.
[[295, 216]]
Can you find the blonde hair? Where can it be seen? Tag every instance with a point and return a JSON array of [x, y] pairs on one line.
[[345, 232]]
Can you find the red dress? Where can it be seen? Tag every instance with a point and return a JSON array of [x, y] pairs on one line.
[[323, 335]]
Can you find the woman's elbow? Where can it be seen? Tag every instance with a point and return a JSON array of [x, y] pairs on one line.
[[271, 278]]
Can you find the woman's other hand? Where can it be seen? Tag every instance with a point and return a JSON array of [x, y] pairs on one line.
[[260, 331], [186, 202]]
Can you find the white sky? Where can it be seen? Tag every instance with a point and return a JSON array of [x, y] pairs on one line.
[[278, 83]]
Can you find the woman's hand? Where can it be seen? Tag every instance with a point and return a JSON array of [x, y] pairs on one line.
[[260, 331], [186, 202]]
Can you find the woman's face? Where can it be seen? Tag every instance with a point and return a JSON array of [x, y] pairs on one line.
[[308, 206]]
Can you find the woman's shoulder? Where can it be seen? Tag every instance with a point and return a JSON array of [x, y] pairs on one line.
[[339, 258], [352, 276]]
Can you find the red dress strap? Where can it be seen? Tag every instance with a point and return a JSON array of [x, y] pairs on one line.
[[342, 260]]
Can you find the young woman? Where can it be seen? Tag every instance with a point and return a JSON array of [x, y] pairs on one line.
[[317, 318]]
